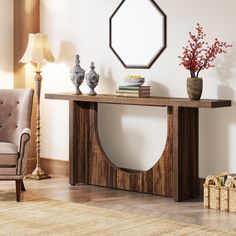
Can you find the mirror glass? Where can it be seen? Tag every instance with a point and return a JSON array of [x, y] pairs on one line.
[[138, 33]]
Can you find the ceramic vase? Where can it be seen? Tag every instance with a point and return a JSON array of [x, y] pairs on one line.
[[194, 88], [77, 75], [92, 79]]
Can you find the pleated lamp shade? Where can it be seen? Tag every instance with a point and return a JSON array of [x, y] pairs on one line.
[[37, 50]]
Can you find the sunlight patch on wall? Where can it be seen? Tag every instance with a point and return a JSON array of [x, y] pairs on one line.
[[6, 44], [6, 80]]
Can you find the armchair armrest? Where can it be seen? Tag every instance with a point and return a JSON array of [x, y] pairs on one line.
[[23, 139], [22, 150]]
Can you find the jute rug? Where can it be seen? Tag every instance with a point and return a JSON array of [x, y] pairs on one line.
[[49, 217]]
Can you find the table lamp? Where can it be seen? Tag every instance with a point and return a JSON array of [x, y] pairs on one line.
[[38, 52]]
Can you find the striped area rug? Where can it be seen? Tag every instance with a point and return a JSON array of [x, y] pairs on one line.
[[50, 217]]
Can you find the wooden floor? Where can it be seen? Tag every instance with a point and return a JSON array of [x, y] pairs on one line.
[[137, 203]]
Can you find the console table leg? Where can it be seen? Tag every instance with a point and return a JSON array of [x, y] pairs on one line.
[[72, 143], [78, 142], [185, 153]]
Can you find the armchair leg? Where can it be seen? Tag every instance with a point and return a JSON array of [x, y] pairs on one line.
[[22, 185], [18, 189]]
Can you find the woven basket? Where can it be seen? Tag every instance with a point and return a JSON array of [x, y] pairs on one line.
[[220, 197]]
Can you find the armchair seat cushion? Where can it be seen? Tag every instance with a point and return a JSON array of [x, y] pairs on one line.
[[8, 154]]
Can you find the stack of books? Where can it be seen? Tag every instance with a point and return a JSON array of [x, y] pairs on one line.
[[133, 91]]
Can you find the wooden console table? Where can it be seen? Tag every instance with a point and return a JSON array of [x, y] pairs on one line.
[[176, 172]]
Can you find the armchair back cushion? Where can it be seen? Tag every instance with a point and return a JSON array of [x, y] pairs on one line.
[[15, 113]]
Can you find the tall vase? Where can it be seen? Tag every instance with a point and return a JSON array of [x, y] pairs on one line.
[[92, 79], [77, 75], [194, 88]]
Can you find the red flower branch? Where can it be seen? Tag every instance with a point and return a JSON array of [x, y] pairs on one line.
[[198, 55]]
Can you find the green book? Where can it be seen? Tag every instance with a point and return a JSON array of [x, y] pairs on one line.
[[127, 87]]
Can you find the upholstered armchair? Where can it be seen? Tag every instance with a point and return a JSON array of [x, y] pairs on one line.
[[15, 119]]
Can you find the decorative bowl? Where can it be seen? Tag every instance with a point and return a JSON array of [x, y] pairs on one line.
[[134, 80]]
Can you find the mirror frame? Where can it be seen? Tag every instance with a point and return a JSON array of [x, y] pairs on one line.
[[157, 54]]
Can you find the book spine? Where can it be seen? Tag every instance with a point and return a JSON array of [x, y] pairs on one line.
[[134, 87], [136, 95], [132, 91]]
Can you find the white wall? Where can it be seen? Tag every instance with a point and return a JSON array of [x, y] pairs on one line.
[[6, 44], [134, 137]]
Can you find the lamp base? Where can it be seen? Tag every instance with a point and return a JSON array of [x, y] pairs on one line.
[[37, 174]]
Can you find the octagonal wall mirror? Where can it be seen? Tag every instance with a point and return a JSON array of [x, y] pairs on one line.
[[138, 33]]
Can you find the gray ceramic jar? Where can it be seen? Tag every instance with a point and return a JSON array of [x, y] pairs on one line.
[[77, 75], [92, 79]]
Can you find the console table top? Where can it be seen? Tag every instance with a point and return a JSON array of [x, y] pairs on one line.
[[151, 101]]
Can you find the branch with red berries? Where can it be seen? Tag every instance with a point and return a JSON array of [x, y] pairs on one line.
[[198, 55]]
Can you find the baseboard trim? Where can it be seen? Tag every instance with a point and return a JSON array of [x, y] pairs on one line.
[[31, 164], [50, 166], [201, 182]]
